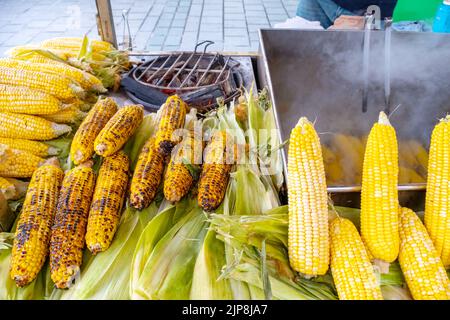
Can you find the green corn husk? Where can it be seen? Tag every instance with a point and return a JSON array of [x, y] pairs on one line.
[[169, 269]]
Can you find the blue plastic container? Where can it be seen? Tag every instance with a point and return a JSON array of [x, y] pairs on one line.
[[442, 20]]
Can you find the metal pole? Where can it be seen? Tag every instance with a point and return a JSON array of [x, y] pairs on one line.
[[105, 22]]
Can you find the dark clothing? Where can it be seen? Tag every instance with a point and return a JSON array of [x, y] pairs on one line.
[[387, 6]]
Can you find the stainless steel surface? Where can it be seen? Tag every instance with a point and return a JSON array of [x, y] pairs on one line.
[[317, 74]]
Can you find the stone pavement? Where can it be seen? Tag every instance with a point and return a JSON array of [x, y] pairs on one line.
[[154, 24]]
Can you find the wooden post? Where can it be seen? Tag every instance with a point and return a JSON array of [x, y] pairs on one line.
[[105, 22]]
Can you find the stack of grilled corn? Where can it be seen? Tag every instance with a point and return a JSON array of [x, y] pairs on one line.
[[388, 231]]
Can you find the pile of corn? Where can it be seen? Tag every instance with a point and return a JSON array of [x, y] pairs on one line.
[[343, 155], [388, 231]]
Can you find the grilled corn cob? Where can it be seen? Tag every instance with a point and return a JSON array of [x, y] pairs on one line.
[[32, 237], [17, 163], [379, 196], [107, 202], [423, 269], [173, 114], [68, 231], [70, 114], [82, 147], [215, 172], [57, 85], [437, 206], [34, 147], [25, 100], [13, 189], [86, 80], [147, 175], [352, 272], [21, 126], [308, 237], [118, 130], [178, 179]]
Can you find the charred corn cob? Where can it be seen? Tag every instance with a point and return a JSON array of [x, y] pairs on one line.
[[379, 196], [34, 147], [32, 237], [17, 163], [215, 172], [68, 231], [20, 126], [57, 85], [308, 237], [423, 269], [107, 202], [353, 274], [82, 147], [437, 206], [147, 175], [179, 177], [86, 80], [118, 130], [70, 114], [25, 100], [173, 114], [13, 189]]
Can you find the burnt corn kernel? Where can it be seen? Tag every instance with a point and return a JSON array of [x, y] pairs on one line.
[[107, 202], [68, 231]]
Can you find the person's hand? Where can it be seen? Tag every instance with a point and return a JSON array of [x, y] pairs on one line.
[[348, 23]]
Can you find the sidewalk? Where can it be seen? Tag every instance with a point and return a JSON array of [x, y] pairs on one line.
[[155, 24]]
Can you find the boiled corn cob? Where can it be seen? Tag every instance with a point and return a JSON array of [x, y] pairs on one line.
[[179, 178], [118, 130], [13, 189], [308, 237], [351, 153], [173, 114], [147, 175], [379, 196], [423, 269], [215, 172], [419, 152], [353, 274], [109, 194], [34, 147], [21, 126], [437, 206], [17, 163], [70, 114], [407, 175], [82, 147], [16, 99], [34, 227], [57, 85], [68, 231], [86, 80]]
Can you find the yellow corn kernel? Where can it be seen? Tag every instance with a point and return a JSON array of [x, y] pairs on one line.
[[34, 147], [69, 228], [75, 44], [118, 130], [423, 269], [379, 196], [82, 147], [57, 85], [308, 237], [353, 274], [16, 99], [109, 194], [147, 175], [70, 115], [21, 126], [179, 179], [17, 163], [173, 114], [86, 80], [437, 206], [33, 231]]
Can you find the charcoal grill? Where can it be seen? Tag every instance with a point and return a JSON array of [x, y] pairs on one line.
[[199, 78]]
